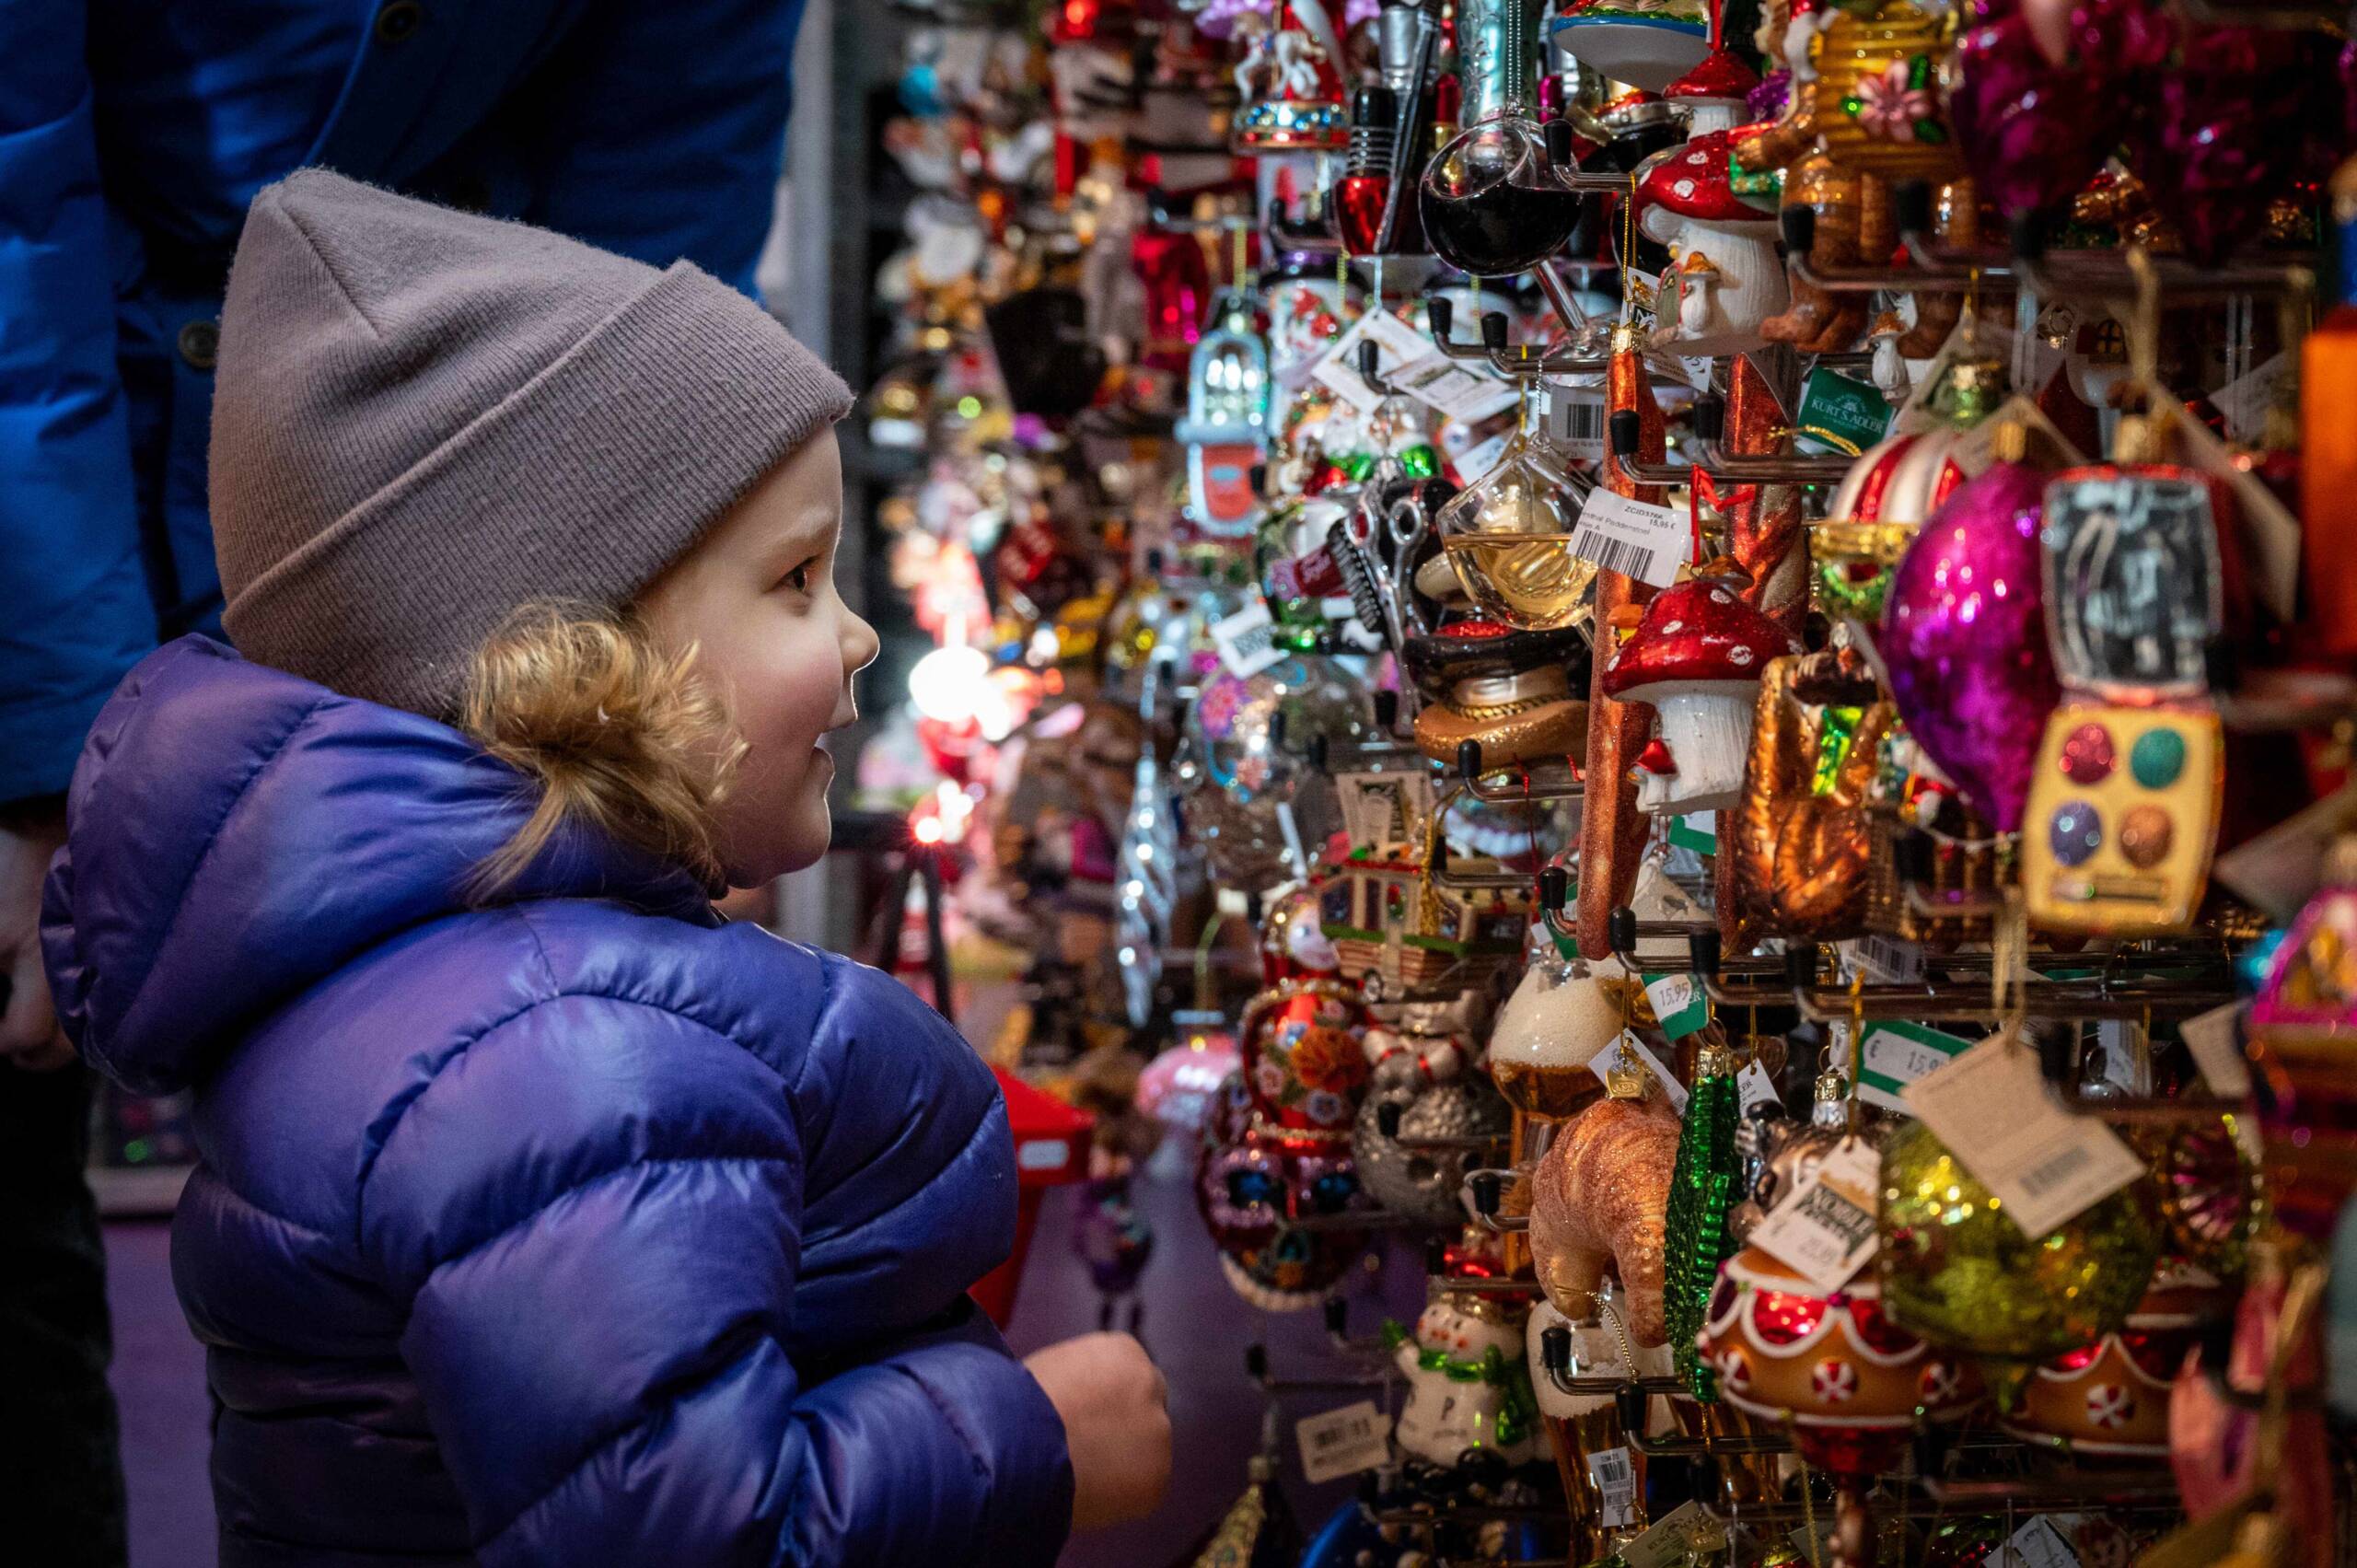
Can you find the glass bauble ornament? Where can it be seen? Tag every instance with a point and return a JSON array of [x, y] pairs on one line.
[[1956, 1269]]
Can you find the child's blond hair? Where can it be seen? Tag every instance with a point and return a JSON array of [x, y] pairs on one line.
[[614, 731]]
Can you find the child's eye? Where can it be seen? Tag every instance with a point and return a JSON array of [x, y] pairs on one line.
[[799, 579]]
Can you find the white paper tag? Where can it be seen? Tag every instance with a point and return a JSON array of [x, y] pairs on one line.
[[1635, 538], [1344, 1442], [1666, 1543], [2280, 870], [1615, 1483], [1754, 1086], [2244, 401], [2217, 1050], [2036, 1545], [1246, 641], [1409, 362], [1602, 1063], [1991, 1107], [1475, 462], [1897, 1053], [1825, 1226]]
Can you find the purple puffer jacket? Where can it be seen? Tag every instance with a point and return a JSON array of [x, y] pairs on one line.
[[583, 1229]]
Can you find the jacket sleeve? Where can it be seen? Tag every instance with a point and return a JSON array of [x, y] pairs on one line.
[[79, 613], [602, 1298], [659, 131]]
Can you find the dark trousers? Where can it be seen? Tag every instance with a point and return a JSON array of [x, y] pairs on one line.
[[61, 1469]]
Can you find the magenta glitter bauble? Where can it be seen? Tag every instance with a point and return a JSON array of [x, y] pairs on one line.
[[1964, 639], [2032, 133], [2231, 129]]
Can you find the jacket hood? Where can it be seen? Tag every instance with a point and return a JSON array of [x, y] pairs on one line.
[[236, 834]]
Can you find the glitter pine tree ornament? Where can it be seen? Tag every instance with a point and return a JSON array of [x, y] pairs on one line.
[[1702, 1188]]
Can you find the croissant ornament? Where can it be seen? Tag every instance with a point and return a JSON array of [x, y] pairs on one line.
[[1599, 1201]]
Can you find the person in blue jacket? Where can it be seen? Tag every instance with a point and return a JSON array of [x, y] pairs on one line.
[[542, 1216], [132, 135]]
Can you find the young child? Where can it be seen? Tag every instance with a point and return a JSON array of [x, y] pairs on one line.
[[543, 1218]]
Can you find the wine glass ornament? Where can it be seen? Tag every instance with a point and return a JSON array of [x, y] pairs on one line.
[[1509, 536], [1492, 202]]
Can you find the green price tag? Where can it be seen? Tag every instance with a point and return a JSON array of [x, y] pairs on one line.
[[1836, 403], [1677, 1001], [1697, 832], [1895, 1054]]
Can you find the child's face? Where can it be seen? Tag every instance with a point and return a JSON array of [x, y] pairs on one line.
[[758, 597]]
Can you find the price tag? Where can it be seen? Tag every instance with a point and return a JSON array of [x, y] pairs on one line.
[[1754, 1086], [2218, 1050], [1408, 361], [1991, 1107], [1825, 1226], [1601, 1064], [1246, 641], [2242, 402], [1895, 1054], [1697, 830], [1635, 538], [1475, 462], [2036, 1545], [1615, 1483], [1679, 1002], [1669, 1541], [1344, 1442]]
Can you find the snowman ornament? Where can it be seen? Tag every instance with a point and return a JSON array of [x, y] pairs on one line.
[[1468, 1385]]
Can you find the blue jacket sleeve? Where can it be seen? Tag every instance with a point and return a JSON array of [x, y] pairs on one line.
[[78, 609], [601, 1316], [659, 129]]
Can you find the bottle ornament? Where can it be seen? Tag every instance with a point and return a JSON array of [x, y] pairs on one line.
[[1956, 1269], [1964, 640]]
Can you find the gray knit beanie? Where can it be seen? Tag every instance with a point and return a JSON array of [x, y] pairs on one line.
[[424, 420]]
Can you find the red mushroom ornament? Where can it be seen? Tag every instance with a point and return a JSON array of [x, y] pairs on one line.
[[1697, 658], [1725, 277]]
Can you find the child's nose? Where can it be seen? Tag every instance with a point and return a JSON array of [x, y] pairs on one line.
[[860, 645]]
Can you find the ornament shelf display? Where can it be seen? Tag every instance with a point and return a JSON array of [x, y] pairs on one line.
[[1581, 949]]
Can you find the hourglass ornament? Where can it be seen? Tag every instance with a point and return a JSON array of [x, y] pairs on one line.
[[1509, 536], [1494, 203]]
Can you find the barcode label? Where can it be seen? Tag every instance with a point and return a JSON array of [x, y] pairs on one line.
[[2057, 1167], [1616, 555], [1883, 958], [2044, 1165], [1344, 1442], [1616, 1485], [1635, 538], [1575, 421]]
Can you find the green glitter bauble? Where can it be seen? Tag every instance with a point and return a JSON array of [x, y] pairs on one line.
[[1956, 1270]]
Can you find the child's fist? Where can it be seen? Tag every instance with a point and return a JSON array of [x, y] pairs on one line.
[[1112, 1400]]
